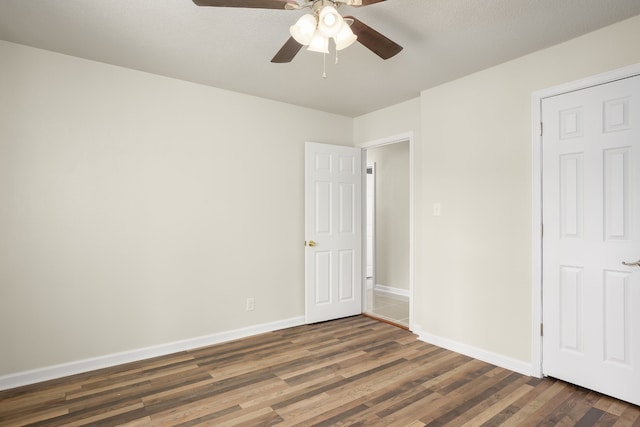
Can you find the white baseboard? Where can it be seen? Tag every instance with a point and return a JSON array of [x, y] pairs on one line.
[[391, 290], [86, 365], [515, 365]]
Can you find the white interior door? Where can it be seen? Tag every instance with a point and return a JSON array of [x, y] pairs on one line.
[[591, 217], [333, 222]]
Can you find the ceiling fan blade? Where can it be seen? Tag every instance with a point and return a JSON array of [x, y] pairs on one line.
[[259, 4], [365, 2], [382, 46], [287, 52]]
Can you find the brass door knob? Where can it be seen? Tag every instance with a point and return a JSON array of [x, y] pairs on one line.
[[312, 243]]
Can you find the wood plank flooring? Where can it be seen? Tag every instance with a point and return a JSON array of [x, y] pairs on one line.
[[355, 371]]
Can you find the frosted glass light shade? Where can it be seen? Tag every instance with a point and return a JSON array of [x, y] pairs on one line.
[[304, 29], [345, 37], [329, 21], [319, 43]]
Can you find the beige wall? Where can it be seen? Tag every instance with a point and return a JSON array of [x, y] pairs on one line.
[[391, 214], [473, 263], [138, 210], [395, 120]]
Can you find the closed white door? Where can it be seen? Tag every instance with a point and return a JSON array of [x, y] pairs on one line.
[[591, 241], [333, 222]]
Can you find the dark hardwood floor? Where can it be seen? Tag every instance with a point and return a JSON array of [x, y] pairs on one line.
[[354, 371]]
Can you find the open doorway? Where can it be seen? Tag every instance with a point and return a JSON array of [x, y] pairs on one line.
[[387, 289]]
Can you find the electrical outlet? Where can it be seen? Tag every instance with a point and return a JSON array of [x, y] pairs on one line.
[[251, 304]]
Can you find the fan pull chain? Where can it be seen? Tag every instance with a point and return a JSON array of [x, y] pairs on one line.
[[324, 65], [336, 56]]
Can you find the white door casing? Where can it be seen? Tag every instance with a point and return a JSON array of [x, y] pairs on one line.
[[591, 217], [370, 221], [404, 137], [333, 222]]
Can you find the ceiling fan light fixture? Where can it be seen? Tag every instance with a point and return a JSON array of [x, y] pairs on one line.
[[319, 43], [330, 22], [304, 29], [315, 29], [345, 37]]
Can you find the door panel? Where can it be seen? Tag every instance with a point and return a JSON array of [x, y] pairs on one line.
[[591, 216], [333, 222]]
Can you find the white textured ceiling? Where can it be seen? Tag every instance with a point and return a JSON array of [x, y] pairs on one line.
[[231, 48]]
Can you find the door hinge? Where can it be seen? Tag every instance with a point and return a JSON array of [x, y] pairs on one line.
[[541, 330], [541, 128]]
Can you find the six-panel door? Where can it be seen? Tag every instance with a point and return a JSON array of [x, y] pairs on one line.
[[333, 222], [591, 217]]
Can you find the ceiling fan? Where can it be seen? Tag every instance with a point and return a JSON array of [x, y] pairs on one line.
[[315, 29]]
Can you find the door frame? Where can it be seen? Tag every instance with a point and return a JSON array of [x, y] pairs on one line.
[[536, 196], [373, 220], [404, 137]]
